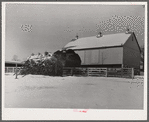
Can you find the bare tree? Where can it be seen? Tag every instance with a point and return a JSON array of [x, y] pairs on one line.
[[15, 58]]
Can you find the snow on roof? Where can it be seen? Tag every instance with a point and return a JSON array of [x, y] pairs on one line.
[[94, 42], [14, 62]]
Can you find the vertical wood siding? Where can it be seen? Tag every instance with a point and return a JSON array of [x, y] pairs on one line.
[[88, 56], [132, 55], [112, 55], [101, 56], [95, 56]]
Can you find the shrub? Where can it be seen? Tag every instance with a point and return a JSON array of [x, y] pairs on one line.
[[68, 58], [51, 65]]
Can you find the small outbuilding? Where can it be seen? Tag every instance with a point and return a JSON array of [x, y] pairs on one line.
[[13, 63], [120, 50], [10, 66]]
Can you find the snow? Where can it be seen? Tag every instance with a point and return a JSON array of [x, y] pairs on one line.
[[38, 91], [94, 42]]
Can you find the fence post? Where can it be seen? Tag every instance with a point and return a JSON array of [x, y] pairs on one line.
[[87, 72], [13, 69], [121, 72], [16, 70], [106, 72], [132, 73], [71, 71], [63, 71]]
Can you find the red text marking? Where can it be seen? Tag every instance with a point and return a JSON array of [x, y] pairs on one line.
[[84, 111]]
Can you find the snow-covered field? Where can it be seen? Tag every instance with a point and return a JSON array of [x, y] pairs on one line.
[[35, 91]]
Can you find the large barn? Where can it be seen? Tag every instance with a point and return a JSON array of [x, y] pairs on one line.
[[113, 50]]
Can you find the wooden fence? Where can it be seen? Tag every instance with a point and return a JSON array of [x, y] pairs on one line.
[[11, 69], [89, 71], [120, 72], [100, 72]]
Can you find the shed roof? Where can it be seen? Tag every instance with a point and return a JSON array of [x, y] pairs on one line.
[[13, 62], [94, 42]]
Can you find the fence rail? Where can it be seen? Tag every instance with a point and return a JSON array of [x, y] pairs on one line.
[[101, 72], [11, 69], [97, 71], [89, 71]]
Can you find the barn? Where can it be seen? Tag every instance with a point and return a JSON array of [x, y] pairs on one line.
[[120, 50]]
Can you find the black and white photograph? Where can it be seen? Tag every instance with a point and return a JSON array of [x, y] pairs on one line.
[[74, 60]]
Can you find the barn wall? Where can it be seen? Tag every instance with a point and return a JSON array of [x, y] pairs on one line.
[[95, 56], [87, 57], [101, 56], [111, 56], [131, 54]]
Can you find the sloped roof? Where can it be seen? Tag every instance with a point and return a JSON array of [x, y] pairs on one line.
[[94, 42], [14, 62]]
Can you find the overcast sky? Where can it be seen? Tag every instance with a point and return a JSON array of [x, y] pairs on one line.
[[51, 27]]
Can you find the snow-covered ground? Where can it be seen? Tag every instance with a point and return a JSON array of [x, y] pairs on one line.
[[38, 91]]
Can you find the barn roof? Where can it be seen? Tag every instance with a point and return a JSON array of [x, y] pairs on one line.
[[93, 42]]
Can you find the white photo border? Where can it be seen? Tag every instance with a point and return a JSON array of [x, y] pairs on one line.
[[68, 114]]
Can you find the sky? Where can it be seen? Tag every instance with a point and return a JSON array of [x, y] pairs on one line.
[[33, 28]]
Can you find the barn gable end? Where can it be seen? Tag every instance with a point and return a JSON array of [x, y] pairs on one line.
[[131, 53], [132, 43]]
